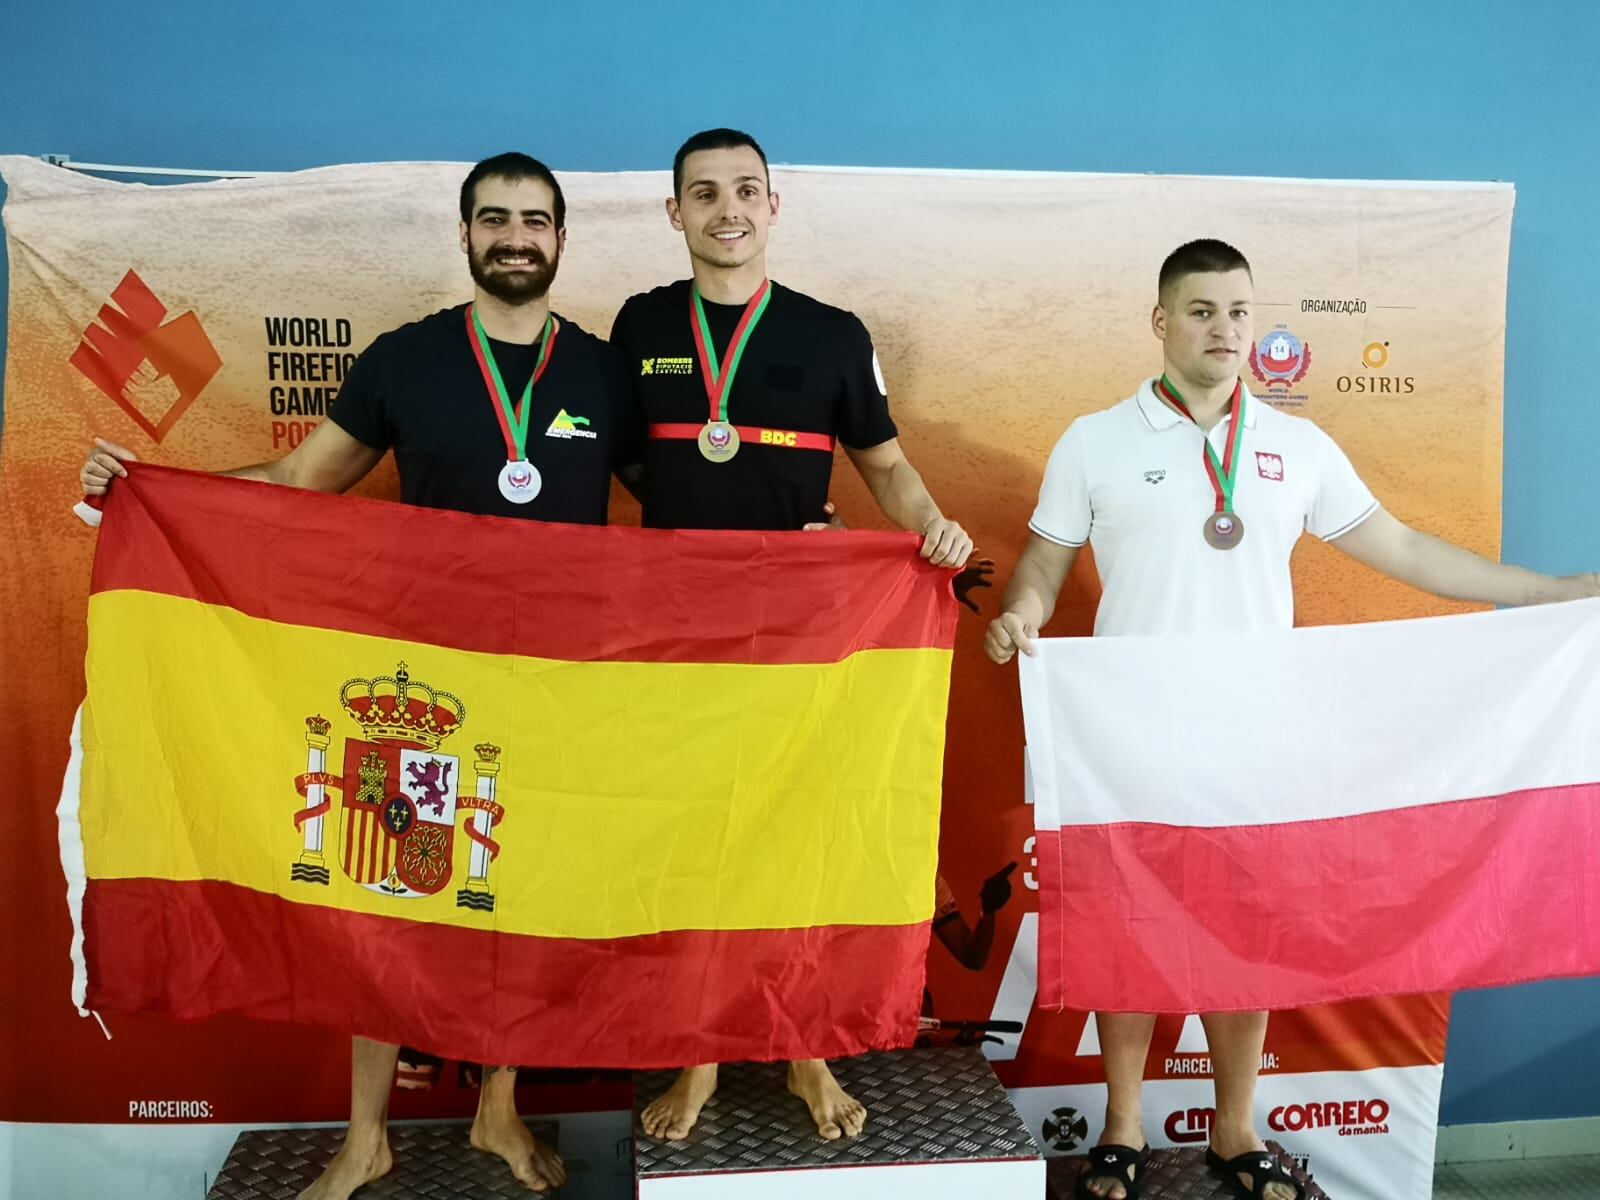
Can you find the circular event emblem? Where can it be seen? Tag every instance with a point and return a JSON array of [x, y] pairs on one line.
[[1224, 530], [719, 441], [519, 481], [424, 860], [1065, 1129], [1280, 359], [1376, 355], [399, 815]]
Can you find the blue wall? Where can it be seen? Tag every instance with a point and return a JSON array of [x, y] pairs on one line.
[[1343, 89]]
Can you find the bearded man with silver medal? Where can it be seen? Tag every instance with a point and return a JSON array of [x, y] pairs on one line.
[[497, 407]]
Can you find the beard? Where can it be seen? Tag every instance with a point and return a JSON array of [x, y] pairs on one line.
[[513, 287]]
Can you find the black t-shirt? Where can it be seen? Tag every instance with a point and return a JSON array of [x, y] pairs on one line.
[[807, 368], [418, 389]]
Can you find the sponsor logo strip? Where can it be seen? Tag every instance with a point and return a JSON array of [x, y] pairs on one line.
[[749, 435]]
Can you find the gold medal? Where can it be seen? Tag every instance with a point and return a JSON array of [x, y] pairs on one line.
[[719, 441], [1224, 530]]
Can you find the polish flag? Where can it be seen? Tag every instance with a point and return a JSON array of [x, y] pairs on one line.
[[1265, 820]]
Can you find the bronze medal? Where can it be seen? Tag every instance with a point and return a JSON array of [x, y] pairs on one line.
[[1224, 530]]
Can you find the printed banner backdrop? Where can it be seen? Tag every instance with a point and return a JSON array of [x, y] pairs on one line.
[[208, 325]]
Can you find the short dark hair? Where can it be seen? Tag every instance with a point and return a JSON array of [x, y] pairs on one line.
[[1201, 257], [715, 139], [513, 168]]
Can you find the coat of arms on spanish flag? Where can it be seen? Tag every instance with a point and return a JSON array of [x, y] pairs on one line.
[[401, 795], [504, 790]]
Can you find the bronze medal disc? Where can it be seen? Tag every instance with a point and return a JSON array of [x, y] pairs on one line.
[[1224, 530]]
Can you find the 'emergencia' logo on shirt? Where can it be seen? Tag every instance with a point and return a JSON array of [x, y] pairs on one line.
[[566, 426]]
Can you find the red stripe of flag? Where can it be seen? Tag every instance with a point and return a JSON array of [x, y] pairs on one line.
[[607, 594], [760, 995], [1186, 919]]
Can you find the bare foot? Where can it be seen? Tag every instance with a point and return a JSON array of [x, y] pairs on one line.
[[364, 1157], [671, 1117], [835, 1113], [1231, 1146], [498, 1130], [1120, 1130]]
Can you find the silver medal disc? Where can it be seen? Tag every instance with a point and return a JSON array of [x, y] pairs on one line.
[[519, 481]]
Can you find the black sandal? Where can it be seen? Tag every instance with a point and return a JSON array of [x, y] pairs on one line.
[[1263, 1168], [1117, 1163]]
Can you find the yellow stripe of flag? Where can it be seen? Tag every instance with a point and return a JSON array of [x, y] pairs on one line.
[[638, 797]]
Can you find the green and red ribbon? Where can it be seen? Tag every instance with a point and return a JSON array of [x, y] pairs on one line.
[[719, 378], [513, 419], [1224, 471]]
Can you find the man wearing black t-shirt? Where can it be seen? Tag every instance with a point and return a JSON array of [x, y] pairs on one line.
[[498, 407], [747, 386]]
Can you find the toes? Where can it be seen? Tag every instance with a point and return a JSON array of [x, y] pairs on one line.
[[530, 1176], [830, 1130], [549, 1164], [676, 1133]]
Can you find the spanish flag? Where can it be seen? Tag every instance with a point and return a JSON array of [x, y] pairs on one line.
[[502, 790]]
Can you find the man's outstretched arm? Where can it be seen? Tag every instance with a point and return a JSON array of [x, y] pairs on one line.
[[329, 460], [1395, 549]]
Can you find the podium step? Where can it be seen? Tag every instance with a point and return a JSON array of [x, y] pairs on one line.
[[1177, 1175], [938, 1125], [432, 1160]]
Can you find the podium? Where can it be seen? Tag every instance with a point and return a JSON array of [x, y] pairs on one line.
[[433, 1160], [939, 1125], [1177, 1175]]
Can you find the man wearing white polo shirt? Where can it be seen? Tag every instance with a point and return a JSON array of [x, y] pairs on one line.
[[1194, 493]]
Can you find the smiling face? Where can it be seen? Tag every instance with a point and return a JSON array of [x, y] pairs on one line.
[[512, 244], [1205, 323], [725, 208]]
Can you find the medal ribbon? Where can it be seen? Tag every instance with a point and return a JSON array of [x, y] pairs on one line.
[[513, 421], [1223, 472], [719, 379]]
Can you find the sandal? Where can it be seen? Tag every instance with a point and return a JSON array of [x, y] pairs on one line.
[[1263, 1168], [1116, 1163]]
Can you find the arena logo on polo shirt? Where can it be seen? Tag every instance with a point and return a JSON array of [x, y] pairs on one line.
[[567, 426], [666, 366]]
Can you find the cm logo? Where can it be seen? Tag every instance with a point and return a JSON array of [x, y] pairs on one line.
[[1189, 1125]]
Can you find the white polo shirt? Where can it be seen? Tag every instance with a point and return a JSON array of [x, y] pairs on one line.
[[1131, 481]]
